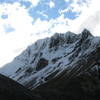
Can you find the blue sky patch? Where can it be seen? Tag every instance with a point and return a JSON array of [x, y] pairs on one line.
[[27, 4], [43, 10], [8, 29], [4, 16]]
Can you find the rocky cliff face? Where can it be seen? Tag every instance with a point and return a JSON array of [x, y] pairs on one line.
[[66, 55]]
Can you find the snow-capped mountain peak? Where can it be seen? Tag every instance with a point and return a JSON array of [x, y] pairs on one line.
[[50, 57]]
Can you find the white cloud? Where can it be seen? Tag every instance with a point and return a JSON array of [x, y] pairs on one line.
[[34, 2], [42, 14], [52, 4], [59, 25], [66, 0], [76, 6], [50, 27], [19, 19], [79, 7], [64, 11], [90, 18], [40, 26]]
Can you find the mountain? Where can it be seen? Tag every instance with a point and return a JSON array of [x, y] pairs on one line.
[[62, 66], [11, 90]]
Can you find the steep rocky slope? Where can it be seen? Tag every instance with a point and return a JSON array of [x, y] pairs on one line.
[[83, 87]]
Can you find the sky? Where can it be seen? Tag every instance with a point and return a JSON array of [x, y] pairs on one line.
[[22, 22]]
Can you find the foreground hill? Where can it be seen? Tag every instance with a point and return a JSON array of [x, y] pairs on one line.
[[11, 90]]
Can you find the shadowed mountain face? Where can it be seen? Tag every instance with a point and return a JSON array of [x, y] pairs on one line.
[[83, 87], [11, 90], [63, 66]]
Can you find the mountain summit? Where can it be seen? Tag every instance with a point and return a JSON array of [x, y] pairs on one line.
[[62, 55]]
